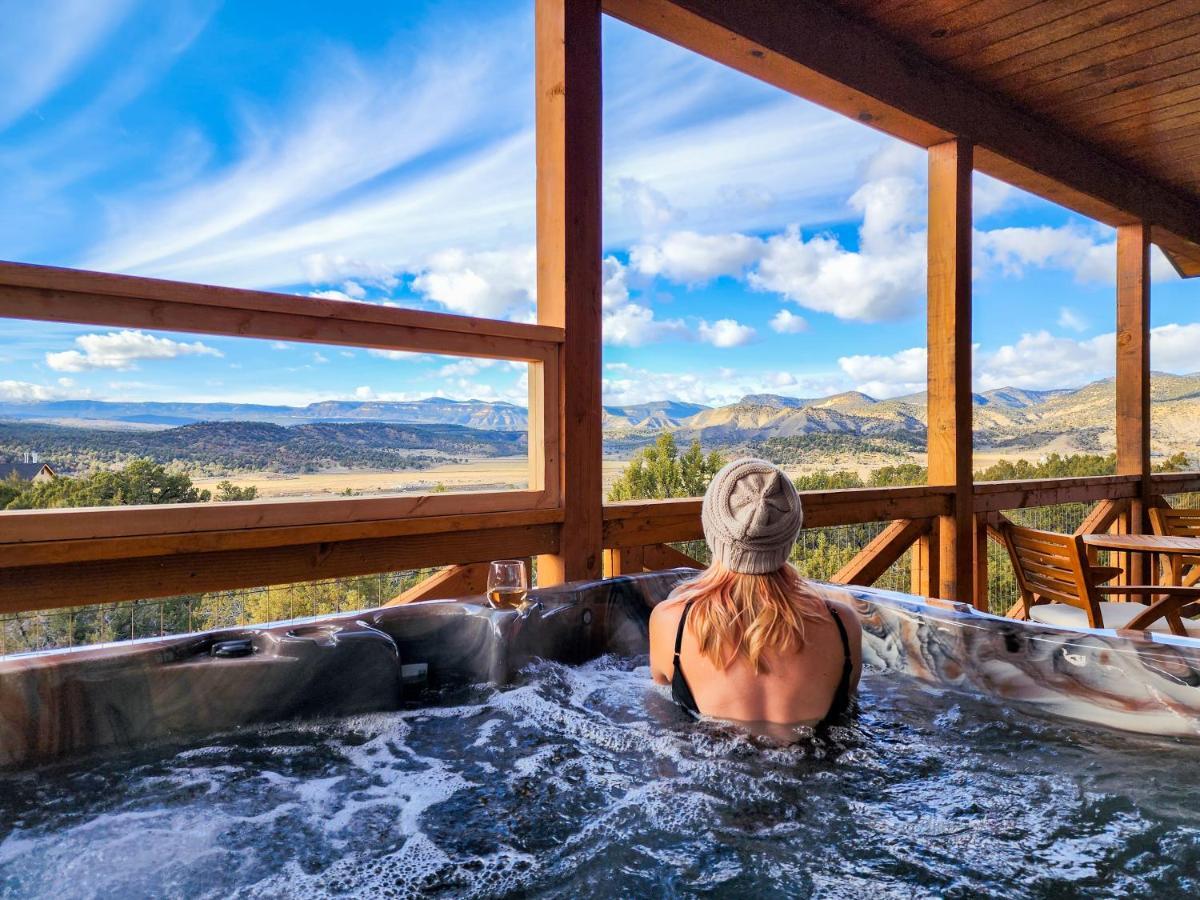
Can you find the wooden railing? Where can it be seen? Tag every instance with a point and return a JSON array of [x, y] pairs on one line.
[[70, 557], [636, 533]]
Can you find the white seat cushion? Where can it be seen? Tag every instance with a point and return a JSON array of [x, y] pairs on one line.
[[1114, 615]]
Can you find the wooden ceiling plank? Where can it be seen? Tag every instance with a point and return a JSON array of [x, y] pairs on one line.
[[966, 45], [918, 20], [1146, 110], [1158, 94], [1128, 72], [816, 52], [1021, 70], [1169, 122]]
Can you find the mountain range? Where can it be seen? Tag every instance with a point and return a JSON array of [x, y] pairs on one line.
[[1009, 417]]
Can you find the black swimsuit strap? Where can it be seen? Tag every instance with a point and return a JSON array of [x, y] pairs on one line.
[[841, 699], [679, 633]]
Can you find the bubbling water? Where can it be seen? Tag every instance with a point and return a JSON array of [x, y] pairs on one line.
[[579, 782]]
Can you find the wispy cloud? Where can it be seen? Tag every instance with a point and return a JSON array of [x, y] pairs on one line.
[[45, 45]]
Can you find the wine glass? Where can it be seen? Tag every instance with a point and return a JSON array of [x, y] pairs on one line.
[[507, 584]]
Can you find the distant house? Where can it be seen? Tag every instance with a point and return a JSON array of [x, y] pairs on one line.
[[34, 472]]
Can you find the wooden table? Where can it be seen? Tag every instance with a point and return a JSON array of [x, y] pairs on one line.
[[1173, 549]]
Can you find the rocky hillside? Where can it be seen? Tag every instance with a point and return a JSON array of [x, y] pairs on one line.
[[1016, 418]]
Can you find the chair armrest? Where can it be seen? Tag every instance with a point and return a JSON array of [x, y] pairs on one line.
[[1101, 574], [1168, 608], [1185, 592]]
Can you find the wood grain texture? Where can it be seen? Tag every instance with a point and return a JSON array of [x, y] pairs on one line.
[[23, 526], [949, 345], [52, 294], [568, 112], [869, 564], [109, 581], [1133, 376]]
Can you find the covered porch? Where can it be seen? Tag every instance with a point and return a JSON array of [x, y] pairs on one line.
[[1084, 108]]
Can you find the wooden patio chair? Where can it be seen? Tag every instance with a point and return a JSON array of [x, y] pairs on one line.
[[1179, 523], [1060, 587]]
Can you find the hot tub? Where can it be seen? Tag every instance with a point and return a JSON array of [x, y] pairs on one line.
[[447, 749]]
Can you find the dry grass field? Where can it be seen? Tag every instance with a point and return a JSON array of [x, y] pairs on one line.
[[491, 474]]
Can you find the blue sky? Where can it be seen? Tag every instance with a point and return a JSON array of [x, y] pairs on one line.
[[384, 152]]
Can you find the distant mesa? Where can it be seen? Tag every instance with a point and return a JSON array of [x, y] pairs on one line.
[[1004, 418]]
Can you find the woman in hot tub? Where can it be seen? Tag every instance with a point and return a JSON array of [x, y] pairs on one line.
[[749, 640]]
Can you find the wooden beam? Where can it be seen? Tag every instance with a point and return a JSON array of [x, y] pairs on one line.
[[39, 525], [869, 564], [624, 561], [37, 553], [642, 522], [1133, 376], [50, 294], [450, 583], [568, 112], [924, 575], [811, 49], [112, 580], [949, 344], [658, 557], [995, 496], [982, 587]]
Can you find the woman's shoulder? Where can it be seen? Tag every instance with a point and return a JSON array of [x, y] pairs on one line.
[[841, 603]]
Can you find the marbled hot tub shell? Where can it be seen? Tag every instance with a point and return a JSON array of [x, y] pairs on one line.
[[64, 703]]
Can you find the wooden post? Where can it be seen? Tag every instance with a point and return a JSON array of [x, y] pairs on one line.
[[1133, 375], [924, 577], [949, 343], [568, 107], [982, 586]]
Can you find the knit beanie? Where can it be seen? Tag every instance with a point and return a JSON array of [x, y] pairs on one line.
[[751, 517]]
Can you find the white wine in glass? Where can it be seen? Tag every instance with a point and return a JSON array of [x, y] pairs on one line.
[[507, 584]]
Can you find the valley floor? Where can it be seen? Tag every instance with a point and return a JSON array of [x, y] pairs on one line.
[[495, 473]]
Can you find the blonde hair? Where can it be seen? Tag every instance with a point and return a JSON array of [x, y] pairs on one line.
[[739, 615]]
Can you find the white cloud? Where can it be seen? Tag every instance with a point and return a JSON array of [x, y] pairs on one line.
[[354, 290], [631, 324], [280, 345], [466, 367], [690, 258], [1088, 253], [26, 392], [883, 280], [364, 392], [903, 372], [121, 350], [331, 295], [727, 333], [1175, 348], [1069, 318], [643, 204], [1042, 360], [408, 355], [629, 385], [787, 322], [494, 284]]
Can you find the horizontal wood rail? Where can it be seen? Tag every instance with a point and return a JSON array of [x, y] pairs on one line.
[[140, 546], [50, 294], [42, 525], [112, 580], [640, 522], [997, 495]]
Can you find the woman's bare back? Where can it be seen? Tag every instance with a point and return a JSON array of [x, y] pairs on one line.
[[799, 688]]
